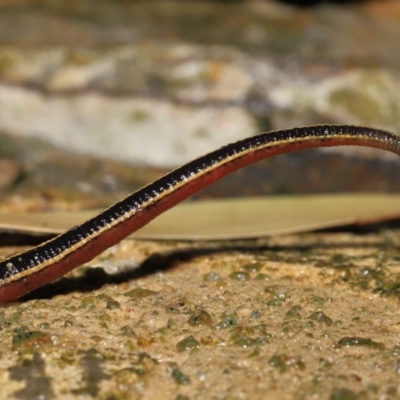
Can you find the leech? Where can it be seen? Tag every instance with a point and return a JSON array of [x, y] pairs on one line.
[[33, 268]]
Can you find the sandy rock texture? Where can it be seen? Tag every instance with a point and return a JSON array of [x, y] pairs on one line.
[[309, 316]]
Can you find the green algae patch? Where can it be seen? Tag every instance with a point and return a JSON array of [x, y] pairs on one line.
[[247, 336], [188, 343], [320, 301], [262, 277], [211, 277], [68, 323], [89, 302], [357, 341], [142, 364], [227, 321], [244, 342], [172, 309], [279, 292], [321, 317], [294, 312], [179, 376], [252, 267], [24, 338], [388, 288], [112, 305], [181, 397], [40, 304], [200, 318], [283, 363], [274, 303], [127, 331], [139, 293], [239, 276], [344, 394]]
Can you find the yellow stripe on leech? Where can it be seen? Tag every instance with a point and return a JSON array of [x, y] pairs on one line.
[[63, 254], [170, 190]]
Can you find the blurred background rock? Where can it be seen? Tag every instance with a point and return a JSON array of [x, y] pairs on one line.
[[101, 96]]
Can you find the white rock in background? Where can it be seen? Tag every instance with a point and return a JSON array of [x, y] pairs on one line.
[[135, 130]]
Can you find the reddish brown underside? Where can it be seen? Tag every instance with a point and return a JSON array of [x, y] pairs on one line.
[[15, 289]]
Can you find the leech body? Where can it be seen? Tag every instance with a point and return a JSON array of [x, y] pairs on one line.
[[31, 269]]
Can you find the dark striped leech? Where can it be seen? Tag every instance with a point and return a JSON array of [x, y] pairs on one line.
[[33, 268]]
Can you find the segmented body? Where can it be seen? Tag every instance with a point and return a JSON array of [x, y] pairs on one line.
[[31, 269]]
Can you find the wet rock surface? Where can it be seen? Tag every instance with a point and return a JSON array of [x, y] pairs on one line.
[[309, 315]]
